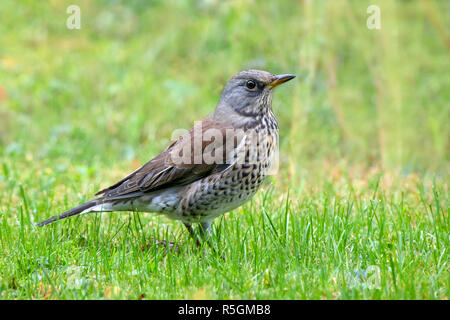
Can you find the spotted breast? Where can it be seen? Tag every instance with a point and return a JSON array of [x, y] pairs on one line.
[[229, 189]]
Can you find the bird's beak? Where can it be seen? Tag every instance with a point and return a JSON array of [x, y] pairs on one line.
[[282, 78]]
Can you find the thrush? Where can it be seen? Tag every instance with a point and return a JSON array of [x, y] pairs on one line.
[[212, 169]]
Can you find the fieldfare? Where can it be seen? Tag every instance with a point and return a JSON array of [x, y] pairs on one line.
[[214, 168]]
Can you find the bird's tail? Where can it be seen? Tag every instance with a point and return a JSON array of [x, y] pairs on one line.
[[72, 212]]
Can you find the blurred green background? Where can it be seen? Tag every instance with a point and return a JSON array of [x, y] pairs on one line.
[[364, 161], [115, 90]]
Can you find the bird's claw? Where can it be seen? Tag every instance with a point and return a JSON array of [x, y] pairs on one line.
[[168, 245]]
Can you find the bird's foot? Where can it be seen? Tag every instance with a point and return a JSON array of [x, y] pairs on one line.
[[168, 245]]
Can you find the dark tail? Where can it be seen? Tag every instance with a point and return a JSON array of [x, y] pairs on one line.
[[69, 213]]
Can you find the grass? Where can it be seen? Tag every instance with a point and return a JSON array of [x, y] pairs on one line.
[[358, 209], [333, 244]]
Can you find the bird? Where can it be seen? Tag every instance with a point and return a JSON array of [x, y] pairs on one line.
[[210, 170]]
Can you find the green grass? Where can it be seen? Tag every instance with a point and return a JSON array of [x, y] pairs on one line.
[[359, 207]]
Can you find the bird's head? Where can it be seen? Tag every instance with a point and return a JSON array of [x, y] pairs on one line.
[[249, 92]]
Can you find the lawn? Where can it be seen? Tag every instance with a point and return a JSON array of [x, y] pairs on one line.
[[357, 210]]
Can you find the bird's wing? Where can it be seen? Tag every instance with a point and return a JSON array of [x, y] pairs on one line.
[[181, 163]]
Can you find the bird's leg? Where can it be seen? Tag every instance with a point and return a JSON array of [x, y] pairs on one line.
[[171, 244], [205, 233], [166, 244], [192, 233], [205, 230]]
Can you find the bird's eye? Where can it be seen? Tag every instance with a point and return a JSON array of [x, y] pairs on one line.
[[250, 84]]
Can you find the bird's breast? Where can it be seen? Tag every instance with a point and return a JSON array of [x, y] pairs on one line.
[[229, 189]]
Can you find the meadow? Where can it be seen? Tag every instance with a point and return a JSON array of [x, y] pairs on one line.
[[357, 210]]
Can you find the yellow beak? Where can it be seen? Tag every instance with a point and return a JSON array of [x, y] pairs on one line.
[[282, 78]]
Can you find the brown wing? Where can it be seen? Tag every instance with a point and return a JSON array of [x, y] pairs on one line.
[[175, 165]]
